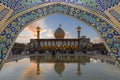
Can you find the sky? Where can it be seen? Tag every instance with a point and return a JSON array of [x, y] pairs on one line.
[[50, 23]]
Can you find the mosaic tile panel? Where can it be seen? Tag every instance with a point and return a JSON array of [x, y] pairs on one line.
[[13, 4], [3, 13], [110, 36], [115, 15], [96, 5], [106, 4]]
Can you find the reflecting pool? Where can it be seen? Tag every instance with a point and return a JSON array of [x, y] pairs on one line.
[[59, 68]]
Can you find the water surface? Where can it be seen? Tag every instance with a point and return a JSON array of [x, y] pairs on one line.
[[60, 68]]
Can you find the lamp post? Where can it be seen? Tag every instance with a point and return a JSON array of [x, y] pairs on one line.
[[78, 30]]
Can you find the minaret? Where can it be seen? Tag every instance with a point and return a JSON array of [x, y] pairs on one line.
[[38, 32], [78, 30]]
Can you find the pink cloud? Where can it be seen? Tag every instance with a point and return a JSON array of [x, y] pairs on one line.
[[31, 29], [50, 33], [67, 35]]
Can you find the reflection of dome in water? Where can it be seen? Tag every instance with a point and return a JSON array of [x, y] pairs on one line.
[[59, 67], [59, 33]]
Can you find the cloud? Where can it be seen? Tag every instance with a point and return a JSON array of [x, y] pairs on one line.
[[45, 32], [49, 33], [96, 40], [31, 29], [30, 32], [24, 36], [67, 35]]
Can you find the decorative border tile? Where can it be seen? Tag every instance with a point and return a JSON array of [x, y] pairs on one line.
[[96, 5], [115, 14], [5, 13]]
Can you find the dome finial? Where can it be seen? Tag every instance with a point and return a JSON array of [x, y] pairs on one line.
[[60, 25]]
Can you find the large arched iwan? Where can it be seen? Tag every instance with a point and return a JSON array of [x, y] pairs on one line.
[[101, 25]]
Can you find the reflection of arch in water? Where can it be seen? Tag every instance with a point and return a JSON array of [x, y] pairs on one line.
[[100, 24]]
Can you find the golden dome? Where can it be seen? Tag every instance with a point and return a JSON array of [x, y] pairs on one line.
[[59, 33]]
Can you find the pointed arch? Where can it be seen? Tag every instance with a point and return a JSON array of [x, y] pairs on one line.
[[100, 24]]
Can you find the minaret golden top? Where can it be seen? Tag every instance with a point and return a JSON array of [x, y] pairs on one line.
[[78, 28], [38, 28]]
